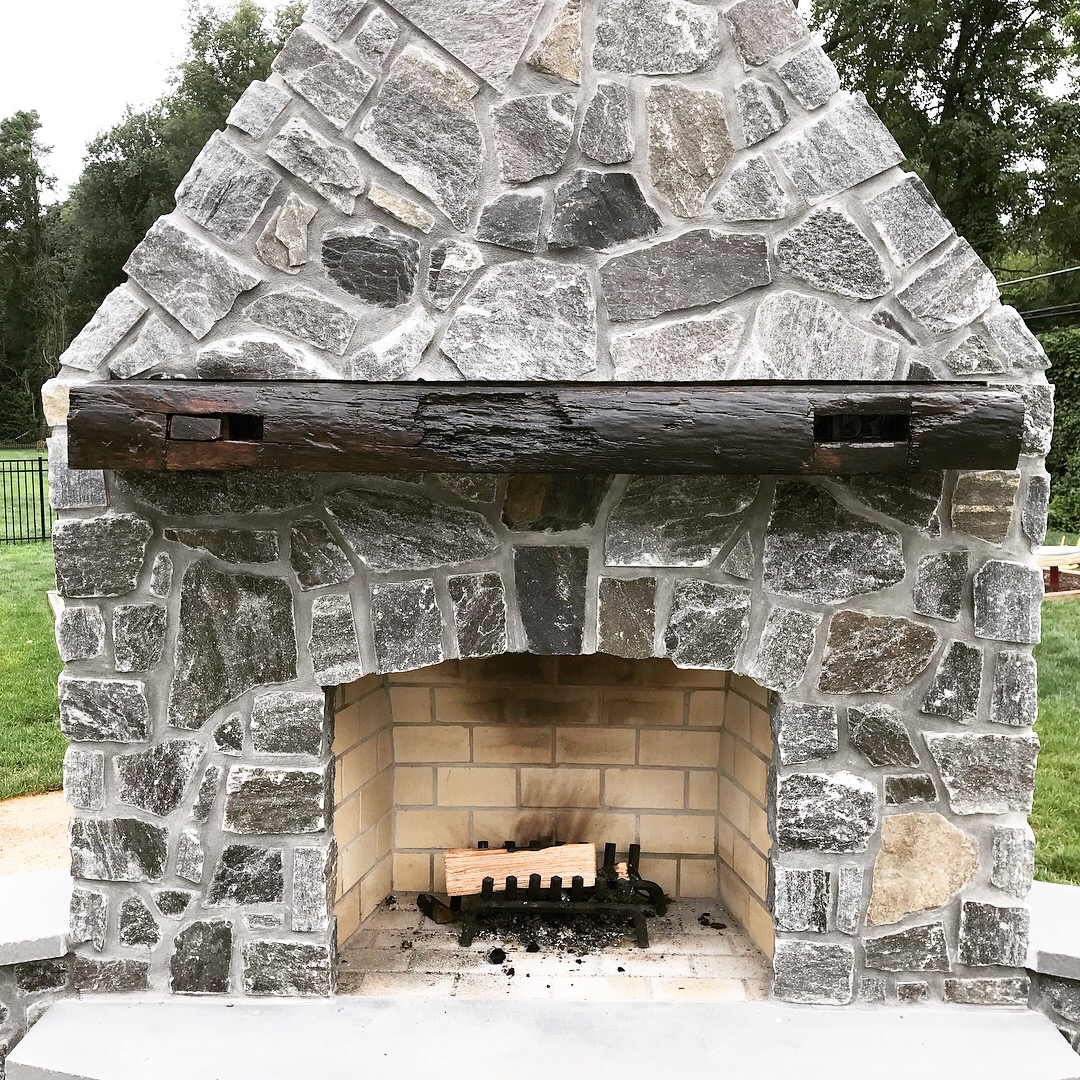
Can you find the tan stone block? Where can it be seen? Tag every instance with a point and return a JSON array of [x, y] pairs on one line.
[[412, 872], [697, 749], [414, 786], [512, 669], [358, 767], [759, 828], [678, 834], [596, 746], [749, 689], [727, 753], [697, 878], [513, 743], [707, 708], [560, 787], [665, 872], [704, 789], [485, 704], [347, 822], [759, 925], [599, 828], [477, 786], [347, 912], [640, 707], [598, 669], [662, 672], [354, 691], [761, 732], [384, 833], [432, 828], [737, 716], [339, 785], [385, 743], [447, 672], [431, 744], [438, 870], [735, 805], [750, 771], [375, 887], [751, 867], [411, 705], [346, 729], [376, 800], [375, 713], [725, 840], [702, 989], [654, 789], [515, 824], [358, 858], [733, 893]]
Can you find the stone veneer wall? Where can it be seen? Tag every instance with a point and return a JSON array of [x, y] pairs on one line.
[[591, 749], [700, 201]]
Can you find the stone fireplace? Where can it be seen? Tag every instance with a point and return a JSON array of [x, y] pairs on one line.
[[290, 685]]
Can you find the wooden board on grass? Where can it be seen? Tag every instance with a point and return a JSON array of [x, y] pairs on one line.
[[466, 868]]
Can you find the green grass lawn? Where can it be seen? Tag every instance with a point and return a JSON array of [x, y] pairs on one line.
[[31, 746]]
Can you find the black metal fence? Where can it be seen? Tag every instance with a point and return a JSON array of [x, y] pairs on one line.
[[25, 514]]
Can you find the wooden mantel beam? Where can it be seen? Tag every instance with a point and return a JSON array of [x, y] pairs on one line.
[[757, 428]]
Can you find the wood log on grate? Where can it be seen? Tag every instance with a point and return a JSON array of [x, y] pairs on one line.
[[466, 868]]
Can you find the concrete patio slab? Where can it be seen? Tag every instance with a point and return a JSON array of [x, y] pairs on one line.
[[34, 916], [1054, 944]]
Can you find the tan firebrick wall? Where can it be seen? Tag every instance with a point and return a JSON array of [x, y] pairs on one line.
[[589, 748]]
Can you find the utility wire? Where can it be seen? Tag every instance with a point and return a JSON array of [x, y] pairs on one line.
[[1037, 277]]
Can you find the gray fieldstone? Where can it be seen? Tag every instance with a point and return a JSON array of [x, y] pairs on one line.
[[407, 625], [423, 127], [533, 319], [689, 144], [305, 315], [111, 976], [810, 76], [846, 146], [764, 28], [260, 357], [172, 903], [813, 973], [80, 633], [951, 292], [479, 603], [84, 779], [986, 774], [802, 337], [117, 849], [676, 521], [156, 345], [1035, 507], [230, 545], [228, 736], [1011, 335], [829, 251], [974, 357], [553, 502], [559, 51], [627, 617], [912, 993], [259, 106], [879, 733], [512, 221], [818, 551], [332, 17], [908, 219], [398, 353], [119, 312], [225, 191], [247, 875], [741, 561], [874, 654], [700, 348], [35, 976], [333, 646], [207, 796], [655, 37], [941, 583], [849, 894], [138, 927], [551, 583], [872, 991], [405, 210], [314, 882], [1061, 995], [267, 801], [708, 625], [190, 857], [605, 134], [289, 968], [201, 959], [101, 556], [913, 499], [103, 710], [372, 263], [533, 134], [1015, 697], [402, 531], [957, 684], [993, 935], [161, 575], [1038, 418], [600, 210], [1008, 602], [326, 167], [762, 110], [452, 267], [324, 76], [923, 863], [315, 555], [982, 504], [787, 641], [1013, 868], [469, 487], [72, 489], [236, 633], [139, 635], [196, 284], [752, 193], [88, 917], [800, 899], [988, 991], [920, 948], [703, 266], [803, 732], [288, 722], [378, 35], [264, 920], [157, 779], [916, 788]]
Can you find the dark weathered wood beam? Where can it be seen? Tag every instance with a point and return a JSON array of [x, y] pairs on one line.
[[758, 428]]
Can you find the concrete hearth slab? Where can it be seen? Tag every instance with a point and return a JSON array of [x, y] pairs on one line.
[[34, 916], [131, 1039], [1054, 945]]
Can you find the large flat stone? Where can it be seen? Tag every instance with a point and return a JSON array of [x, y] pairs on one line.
[[1008, 602], [879, 733], [957, 684], [762, 110], [605, 133], [259, 106], [810, 76], [315, 555], [101, 556], [306, 315], [332, 17], [533, 134], [752, 193], [655, 37], [156, 780], [288, 722], [219, 494], [803, 732], [559, 51], [941, 583], [334, 647], [288, 968], [479, 603], [829, 251], [874, 654], [626, 617], [512, 221], [407, 625], [399, 352], [836, 812], [80, 633], [103, 710], [139, 636], [327, 167], [708, 625], [119, 312], [800, 899], [324, 76], [689, 349], [986, 774], [117, 849], [373, 263], [553, 502], [247, 874], [202, 958], [260, 357], [908, 220], [951, 292], [764, 28], [919, 948], [1015, 697], [267, 801], [551, 584], [257, 547], [787, 641], [600, 210], [993, 935], [813, 973]]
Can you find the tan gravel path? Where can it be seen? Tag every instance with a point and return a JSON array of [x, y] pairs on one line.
[[33, 833]]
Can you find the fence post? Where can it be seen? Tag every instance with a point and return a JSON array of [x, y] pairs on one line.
[[41, 494]]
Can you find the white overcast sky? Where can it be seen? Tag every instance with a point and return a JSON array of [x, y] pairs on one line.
[[80, 62]]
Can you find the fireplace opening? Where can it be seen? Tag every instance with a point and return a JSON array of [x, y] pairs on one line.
[[579, 749]]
